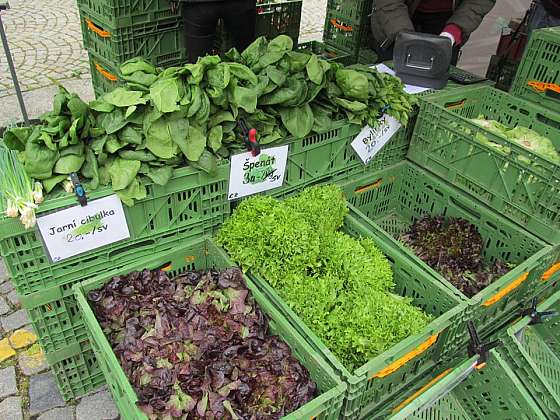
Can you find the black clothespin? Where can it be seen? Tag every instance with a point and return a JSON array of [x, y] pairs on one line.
[[536, 316], [249, 138], [78, 189], [478, 348]]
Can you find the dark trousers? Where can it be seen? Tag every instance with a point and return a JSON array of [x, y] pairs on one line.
[[427, 23], [201, 18]]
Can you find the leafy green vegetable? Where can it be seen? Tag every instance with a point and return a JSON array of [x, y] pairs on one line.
[[340, 286]]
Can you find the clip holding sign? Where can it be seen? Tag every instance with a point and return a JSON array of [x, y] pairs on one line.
[[249, 137], [78, 189], [536, 316], [478, 348]]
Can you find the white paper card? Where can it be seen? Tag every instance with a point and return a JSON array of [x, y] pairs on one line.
[[382, 68], [78, 229], [371, 140], [254, 174]]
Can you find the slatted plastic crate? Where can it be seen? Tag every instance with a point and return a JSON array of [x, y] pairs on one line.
[[540, 63], [76, 370], [394, 198], [381, 378], [520, 184], [347, 25], [125, 13], [493, 392], [202, 254], [191, 203], [105, 76], [327, 53], [534, 353], [161, 42]]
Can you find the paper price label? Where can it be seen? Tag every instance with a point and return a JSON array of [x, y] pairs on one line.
[[253, 174], [76, 230], [371, 140]]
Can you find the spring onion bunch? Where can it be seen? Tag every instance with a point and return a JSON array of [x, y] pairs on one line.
[[19, 195]]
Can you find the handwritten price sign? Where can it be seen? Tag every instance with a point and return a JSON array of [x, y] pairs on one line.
[[76, 230], [253, 174], [370, 141]]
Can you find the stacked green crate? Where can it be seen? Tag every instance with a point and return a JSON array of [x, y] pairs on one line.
[[347, 28], [532, 347], [540, 64], [115, 31]]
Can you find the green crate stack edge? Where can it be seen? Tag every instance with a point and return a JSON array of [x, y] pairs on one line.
[[196, 255], [492, 392], [376, 382], [534, 352], [392, 198], [347, 28], [540, 63], [520, 184]]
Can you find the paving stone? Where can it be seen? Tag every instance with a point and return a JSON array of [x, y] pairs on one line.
[[44, 394], [10, 409], [33, 360], [3, 272], [4, 307], [16, 320], [22, 338], [99, 406], [8, 383], [13, 298], [6, 287], [6, 350], [66, 413]]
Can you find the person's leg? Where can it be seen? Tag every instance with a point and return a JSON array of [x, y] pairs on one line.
[[540, 18], [240, 20], [199, 21]]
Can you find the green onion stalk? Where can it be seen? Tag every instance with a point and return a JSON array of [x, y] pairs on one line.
[[20, 196]]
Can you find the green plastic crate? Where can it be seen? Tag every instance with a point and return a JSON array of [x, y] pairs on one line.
[[380, 379], [105, 76], [520, 185], [203, 254], [320, 156], [53, 311], [358, 10], [534, 353], [394, 198], [190, 204], [279, 18], [76, 370], [345, 33], [162, 42], [125, 13], [493, 392], [540, 63], [327, 53]]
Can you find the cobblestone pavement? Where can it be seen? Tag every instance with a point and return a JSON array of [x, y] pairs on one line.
[[46, 43], [27, 387]]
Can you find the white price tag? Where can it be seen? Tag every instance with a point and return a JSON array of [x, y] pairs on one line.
[[254, 174], [77, 229], [371, 140]]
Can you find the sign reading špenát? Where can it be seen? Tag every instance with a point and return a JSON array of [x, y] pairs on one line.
[[75, 230], [254, 174]]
